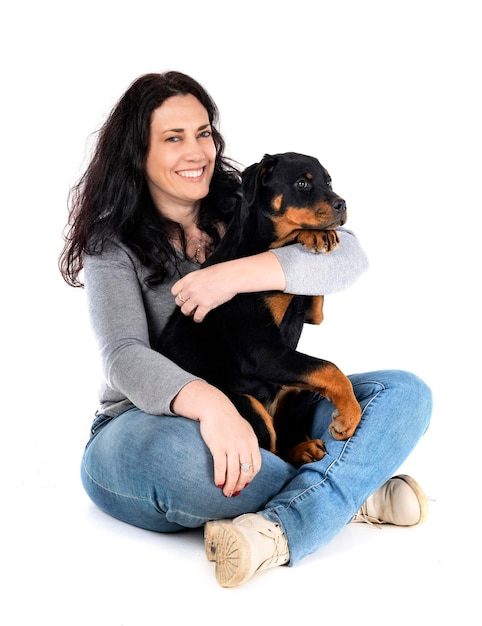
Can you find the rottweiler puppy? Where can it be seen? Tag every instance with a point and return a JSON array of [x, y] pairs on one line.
[[247, 347]]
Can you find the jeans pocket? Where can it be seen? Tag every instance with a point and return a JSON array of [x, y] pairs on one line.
[[99, 422]]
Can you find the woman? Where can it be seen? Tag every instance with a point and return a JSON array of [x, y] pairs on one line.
[[169, 451]]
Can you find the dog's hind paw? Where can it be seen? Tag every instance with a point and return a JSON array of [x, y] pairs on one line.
[[306, 452]]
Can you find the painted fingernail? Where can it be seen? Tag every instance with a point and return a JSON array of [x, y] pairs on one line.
[[236, 493], [219, 486], [246, 485]]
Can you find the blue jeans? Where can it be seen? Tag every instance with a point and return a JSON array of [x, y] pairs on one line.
[[156, 472]]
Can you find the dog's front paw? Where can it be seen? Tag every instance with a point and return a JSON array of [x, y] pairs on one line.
[[306, 452], [319, 241], [344, 424], [330, 239]]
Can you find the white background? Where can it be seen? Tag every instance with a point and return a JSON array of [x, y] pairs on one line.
[[387, 96]]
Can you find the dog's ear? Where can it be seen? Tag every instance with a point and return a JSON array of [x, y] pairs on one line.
[[255, 175], [234, 236]]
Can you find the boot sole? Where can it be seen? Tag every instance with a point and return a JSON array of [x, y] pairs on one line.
[[211, 533], [232, 554]]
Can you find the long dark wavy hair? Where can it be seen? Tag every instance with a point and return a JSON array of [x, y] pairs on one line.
[[111, 200]]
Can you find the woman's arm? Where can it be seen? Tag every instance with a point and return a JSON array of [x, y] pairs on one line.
[[311, 274], [206, 289], [133, 371], [229, 437], [292, 269]]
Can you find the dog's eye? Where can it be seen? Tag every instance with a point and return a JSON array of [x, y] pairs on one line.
[[303, 184], [328, 182]]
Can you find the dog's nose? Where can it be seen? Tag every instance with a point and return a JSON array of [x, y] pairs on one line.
[[339, 205]]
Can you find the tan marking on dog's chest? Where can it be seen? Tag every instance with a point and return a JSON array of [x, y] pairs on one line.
[[278, 305]]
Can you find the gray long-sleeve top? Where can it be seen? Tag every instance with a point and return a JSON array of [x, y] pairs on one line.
[[127, 316]]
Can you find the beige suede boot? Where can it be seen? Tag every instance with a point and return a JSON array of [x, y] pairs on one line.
[[400, 501], [248, 544]]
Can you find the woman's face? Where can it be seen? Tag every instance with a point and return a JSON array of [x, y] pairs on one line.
[[181, 154]]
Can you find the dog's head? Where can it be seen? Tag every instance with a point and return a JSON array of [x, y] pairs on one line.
[[283, 197], [294, 191]]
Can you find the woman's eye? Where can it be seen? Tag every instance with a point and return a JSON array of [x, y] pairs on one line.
[[173, 139], [206, 133]]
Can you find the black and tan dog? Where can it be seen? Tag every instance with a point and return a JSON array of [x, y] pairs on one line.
[[247, 347]]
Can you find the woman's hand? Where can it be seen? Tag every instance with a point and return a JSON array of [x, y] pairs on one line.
[[233, 444], [229, 437], [200, 291]]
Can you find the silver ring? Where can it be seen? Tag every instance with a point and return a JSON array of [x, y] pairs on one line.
[[180, 298], [245, 467]]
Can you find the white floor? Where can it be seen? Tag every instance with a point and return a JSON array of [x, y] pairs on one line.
[[66, 563], [390, 102]]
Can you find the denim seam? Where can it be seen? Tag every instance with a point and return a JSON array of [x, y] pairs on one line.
[[116, 493], [339, 458]]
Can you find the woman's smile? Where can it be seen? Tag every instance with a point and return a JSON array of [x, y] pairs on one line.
[[181, 156], [191, 173]]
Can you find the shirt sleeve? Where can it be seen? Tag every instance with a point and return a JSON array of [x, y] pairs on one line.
[[321, 274], [132, 370]]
